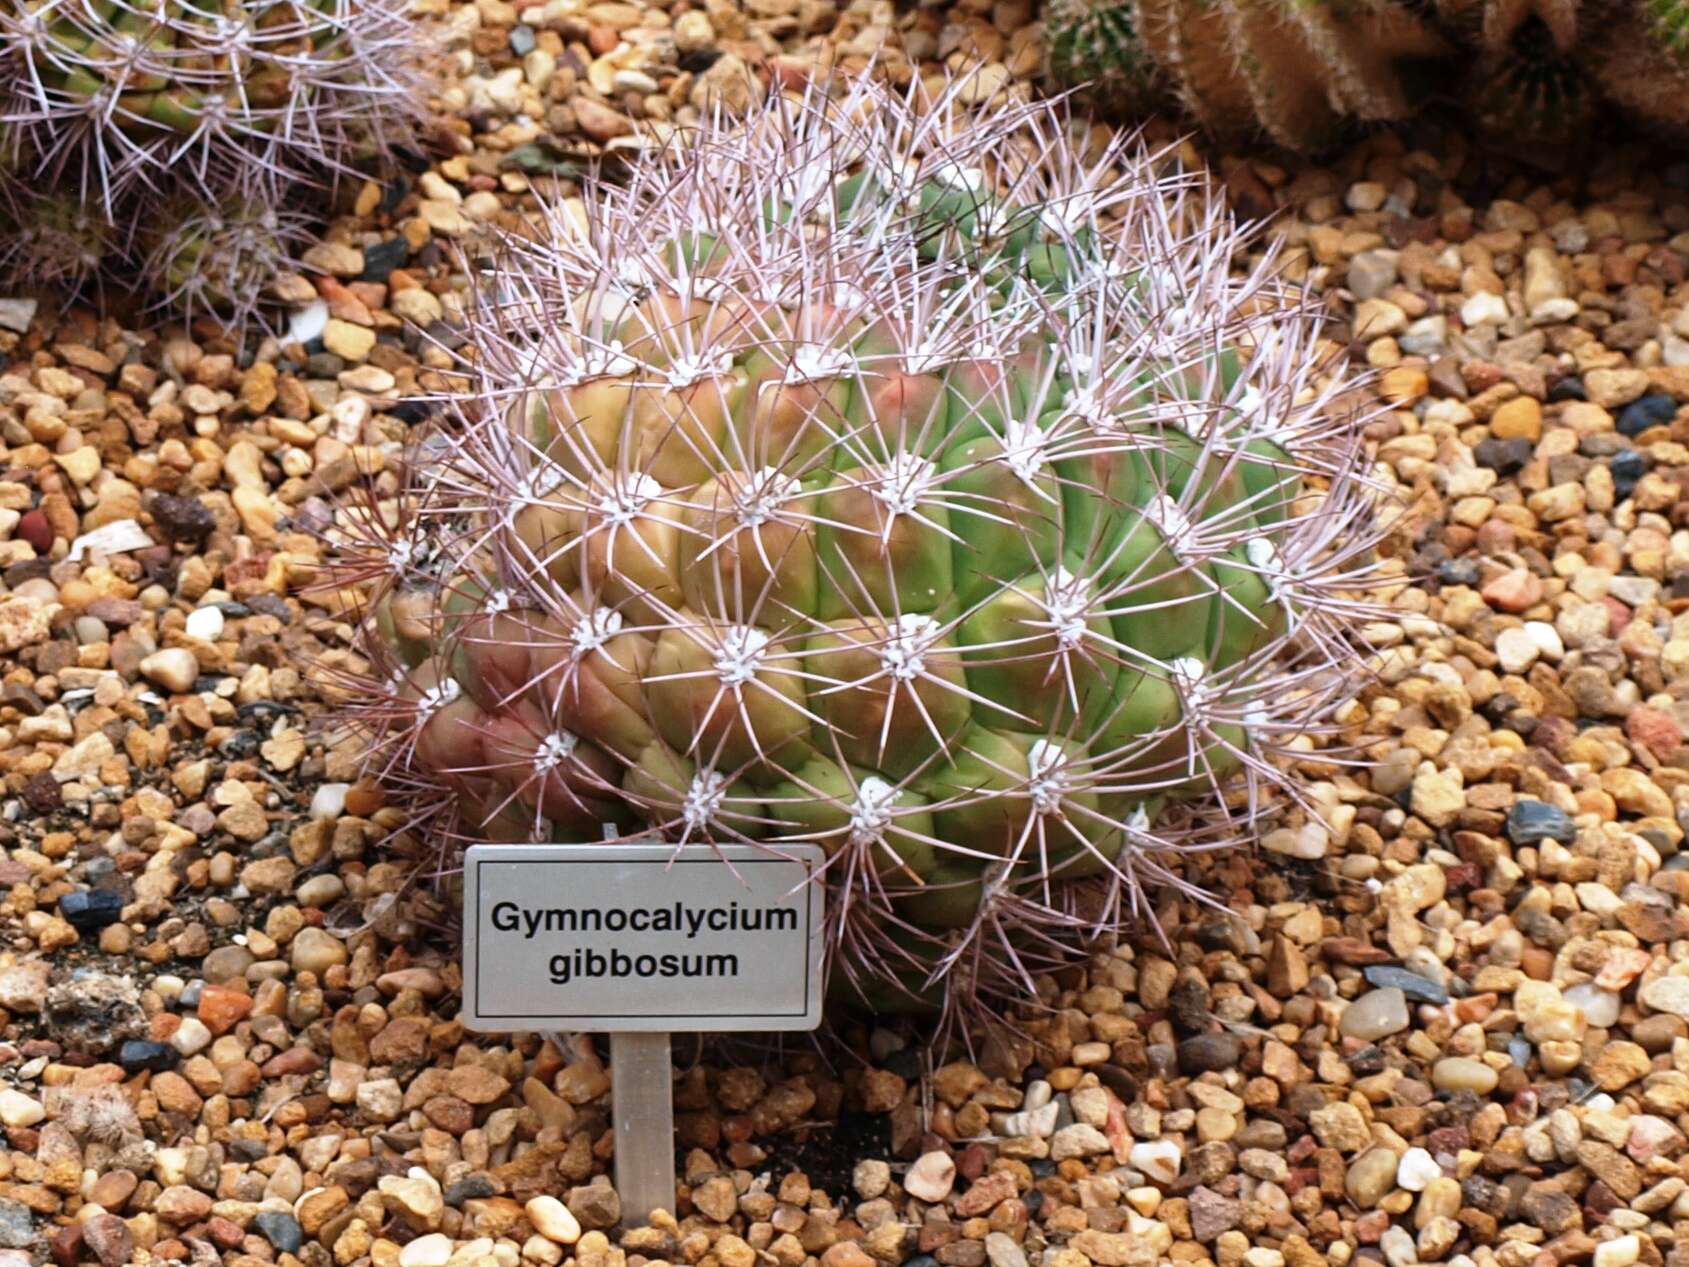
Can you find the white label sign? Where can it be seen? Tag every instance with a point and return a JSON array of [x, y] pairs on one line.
[[641, 937]]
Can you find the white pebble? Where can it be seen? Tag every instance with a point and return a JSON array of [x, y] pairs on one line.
[[1600, 1007], [931, 1177], [1416, 1169], [1621, 1251], [433, 1250], [309, 322], [205, 623], [18, 1109], [329, 800], [552, 1220], [1553, 312], [1516, 650], [1159, 1159], [1398, 1246], [191, 1036], [1547, 638], [1483, 309], [174, 668], [1039, 1123]]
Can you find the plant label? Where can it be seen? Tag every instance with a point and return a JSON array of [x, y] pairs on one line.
[[642, 937]]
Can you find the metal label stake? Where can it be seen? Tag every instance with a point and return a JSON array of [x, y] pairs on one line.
[[643, 1107], [638, 941]]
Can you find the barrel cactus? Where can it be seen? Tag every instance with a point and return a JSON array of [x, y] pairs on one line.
[[1303, 72], [1297, 71], [918, 484], [132, 107]]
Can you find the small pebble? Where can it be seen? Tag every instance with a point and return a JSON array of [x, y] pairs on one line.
[[1374, 1015]]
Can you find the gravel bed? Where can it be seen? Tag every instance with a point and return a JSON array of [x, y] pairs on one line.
[[1446, 1025]]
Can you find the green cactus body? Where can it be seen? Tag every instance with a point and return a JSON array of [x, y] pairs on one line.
[[959, 566], [1101, 46], [1668, 20]]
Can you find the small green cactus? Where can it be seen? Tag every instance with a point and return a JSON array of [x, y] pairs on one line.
[[1101, 46]]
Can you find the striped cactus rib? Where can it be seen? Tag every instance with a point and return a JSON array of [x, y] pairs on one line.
[[1304, 72], [217, 262], [915, 482], [1295, 70]]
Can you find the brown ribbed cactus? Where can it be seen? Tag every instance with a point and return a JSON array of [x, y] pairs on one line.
[[1302, 71], [1297, 72], [904, 480]]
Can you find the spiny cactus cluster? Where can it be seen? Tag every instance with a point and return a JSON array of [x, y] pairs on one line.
[[125, 124], [1303, 71], [916, 484]]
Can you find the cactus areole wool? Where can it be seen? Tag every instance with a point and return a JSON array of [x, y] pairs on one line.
[[645, 937]]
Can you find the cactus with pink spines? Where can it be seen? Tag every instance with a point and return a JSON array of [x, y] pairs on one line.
[[915, 483]]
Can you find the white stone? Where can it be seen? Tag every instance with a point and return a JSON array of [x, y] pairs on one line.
[[552, 1220], [1159, 1159], [1398, 1246], [470, 1253], [1516, 650], [174, 668], [931, 1177], [329, 800], [18, 1109], [1667, 994], [1039, 1123], [1483, 309], [433, 1250], [381, 1098], [1600, 1007], [1621, 1251], [1310, 841], [1554, 312], [1547, 638], [16, 314], [205, 623], [309, 322], [870, 1178], [191, 1036], [1416, 1169], [1002, 1251]]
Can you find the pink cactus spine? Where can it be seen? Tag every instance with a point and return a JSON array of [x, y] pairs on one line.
[[916, 481]]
